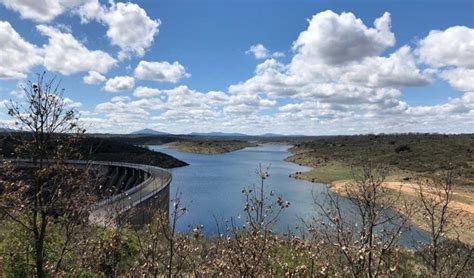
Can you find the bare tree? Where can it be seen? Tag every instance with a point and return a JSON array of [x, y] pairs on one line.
[[246, 251], [50, 188], [445, 257], [365, 229], [159, 242]]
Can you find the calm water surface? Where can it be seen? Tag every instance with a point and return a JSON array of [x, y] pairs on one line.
[[212, 185]]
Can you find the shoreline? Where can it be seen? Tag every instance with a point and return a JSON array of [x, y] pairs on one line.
[[210, 147], [338, 176]]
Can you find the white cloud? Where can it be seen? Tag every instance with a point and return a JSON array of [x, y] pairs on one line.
[[450, 53], [93, 77], [41, 10], [17, 56], [146, 92], [65, 54], [355, 92], [461, 79], [129, 26], [119, 84], [397, 70], [69, 103], [160, 71], [337, 39], [261, 52], [343, 78], [336, 59], [451, 47], [120, 99]]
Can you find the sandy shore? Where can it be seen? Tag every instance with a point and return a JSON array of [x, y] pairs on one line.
[[462, 202], [412, 189]]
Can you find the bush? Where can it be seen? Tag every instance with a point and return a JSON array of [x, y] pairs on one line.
[[403, 148]]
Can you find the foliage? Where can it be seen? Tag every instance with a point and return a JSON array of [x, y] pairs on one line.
[[428, 153], [99, 149], [50, 188]]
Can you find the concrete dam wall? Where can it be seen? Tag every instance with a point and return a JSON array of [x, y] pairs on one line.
[[127, 192]]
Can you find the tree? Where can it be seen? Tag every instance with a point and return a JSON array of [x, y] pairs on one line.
[[160, 244], [365, 230], [246, 251], [445, 257], [50, 189]]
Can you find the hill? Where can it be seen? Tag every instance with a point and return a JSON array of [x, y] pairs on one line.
[[333, 156], [149, 131], [218, 134], [103, 149]]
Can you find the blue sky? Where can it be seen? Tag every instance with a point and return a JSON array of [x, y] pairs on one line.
[[201, 75]]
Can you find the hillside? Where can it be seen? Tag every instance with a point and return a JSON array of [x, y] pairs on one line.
[[211, 146], [332, 157], [103, 149], [148, 131]]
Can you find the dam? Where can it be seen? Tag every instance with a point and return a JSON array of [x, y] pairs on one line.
[[135, 191]]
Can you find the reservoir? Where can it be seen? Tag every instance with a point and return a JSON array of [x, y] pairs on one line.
[[211, 187]]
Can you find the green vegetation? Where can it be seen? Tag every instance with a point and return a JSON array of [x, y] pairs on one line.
[[211, 146], [250, 251], [325, 173], [408, 156], [101, 149], [187, 143], [333, 157]]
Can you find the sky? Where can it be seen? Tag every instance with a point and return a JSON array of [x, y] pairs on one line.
[[260, 66]]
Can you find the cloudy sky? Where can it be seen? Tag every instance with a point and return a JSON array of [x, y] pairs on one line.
[[291, 67]]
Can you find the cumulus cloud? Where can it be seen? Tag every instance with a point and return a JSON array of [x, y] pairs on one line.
[[65, 54], [461, 79], [335, 39], [261, 52], [93, 77], [181, 106], [451, 47], [146, 92], [338, 86], [343, 78], [119, 84], [17, 56], [124, 114], [129, 26], [160, 71], [450, 54], [397, 70], [336, 69], [41, 10]]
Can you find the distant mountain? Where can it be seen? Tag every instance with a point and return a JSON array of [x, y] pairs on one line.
[[218, 134], [272, 135], [149, 131]]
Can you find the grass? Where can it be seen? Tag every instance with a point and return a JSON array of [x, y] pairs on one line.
[[406, 154], [327, 173]]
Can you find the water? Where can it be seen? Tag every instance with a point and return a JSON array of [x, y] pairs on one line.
[[211, 186]]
